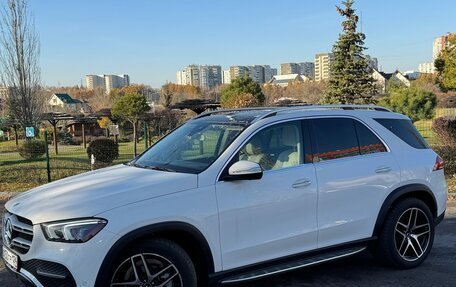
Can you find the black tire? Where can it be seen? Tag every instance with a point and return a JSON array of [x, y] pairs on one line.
[[407, 235], [176, 265]]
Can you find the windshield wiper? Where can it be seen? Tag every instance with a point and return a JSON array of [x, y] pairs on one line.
[[134, 164], [154, 167]]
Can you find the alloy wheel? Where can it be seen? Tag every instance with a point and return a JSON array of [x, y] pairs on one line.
[[412, 234], [146, 270]]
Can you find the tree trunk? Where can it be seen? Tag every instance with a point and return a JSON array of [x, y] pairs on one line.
[[15, 135], [134, 138]]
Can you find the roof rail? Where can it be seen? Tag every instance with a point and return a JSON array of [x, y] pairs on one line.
[[342, 107], [221, 111], [324, 107], [274, 110]]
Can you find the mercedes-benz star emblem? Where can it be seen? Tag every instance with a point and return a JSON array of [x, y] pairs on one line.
[[8, 233]]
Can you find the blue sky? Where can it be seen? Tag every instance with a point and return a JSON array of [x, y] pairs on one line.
[[150, 40]]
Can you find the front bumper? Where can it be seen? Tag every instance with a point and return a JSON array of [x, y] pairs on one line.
[[55, 264]]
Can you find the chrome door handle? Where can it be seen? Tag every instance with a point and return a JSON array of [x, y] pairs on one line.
[[383, 169], [301, 183]]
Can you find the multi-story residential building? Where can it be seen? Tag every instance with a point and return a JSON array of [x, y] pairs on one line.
[[307, 69], [323, 66], [107, 82], [205, 76], [181, 77], [226, 77], [192, 75], [238, 72], [256, 73], [304, 68], [269, 73], [95, 81], [116, 81], [440, 43], [289, 68], [426, 68], [210, 76]]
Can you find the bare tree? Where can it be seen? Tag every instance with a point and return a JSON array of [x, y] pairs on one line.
[[19, 62]]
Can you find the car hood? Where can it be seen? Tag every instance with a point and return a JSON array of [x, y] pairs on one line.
[[91, 193]]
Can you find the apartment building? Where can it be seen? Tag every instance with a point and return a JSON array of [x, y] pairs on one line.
[[426, 68], [323, 66], [440, 43], [107, 82], [226, 77], [289, 68], [203, 76], [304, 68], [238, 72]]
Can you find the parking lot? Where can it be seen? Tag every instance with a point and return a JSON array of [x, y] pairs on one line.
[[361, 270]]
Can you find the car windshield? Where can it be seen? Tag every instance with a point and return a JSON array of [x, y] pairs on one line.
[[191, 148]]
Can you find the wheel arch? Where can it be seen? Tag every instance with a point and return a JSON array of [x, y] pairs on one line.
[[419, 191], [184, 234]]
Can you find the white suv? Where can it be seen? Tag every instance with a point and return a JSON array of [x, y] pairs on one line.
[[236, 195]]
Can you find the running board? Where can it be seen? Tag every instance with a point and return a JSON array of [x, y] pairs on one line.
[[300, 263]]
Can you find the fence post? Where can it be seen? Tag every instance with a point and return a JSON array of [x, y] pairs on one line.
[[145, 135], [46, 148]]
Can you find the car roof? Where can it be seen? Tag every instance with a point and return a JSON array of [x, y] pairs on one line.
[[247, 116]]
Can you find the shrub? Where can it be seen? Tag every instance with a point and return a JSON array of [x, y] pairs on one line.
[[445, 129], [448, 153], [242, 100], [104, 150], [447, 101], [32, 149], [414, 102]]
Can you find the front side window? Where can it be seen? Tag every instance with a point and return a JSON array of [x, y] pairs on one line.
[[191, 148], [275, 147]]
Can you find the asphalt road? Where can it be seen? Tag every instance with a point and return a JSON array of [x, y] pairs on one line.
[[361, 270]]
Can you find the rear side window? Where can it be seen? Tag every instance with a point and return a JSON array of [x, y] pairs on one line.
[[404, 130], [335, 138], [368, 141]]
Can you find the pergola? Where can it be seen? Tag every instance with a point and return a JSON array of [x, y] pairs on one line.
[[197, 105], [53, 119], [83, 121]]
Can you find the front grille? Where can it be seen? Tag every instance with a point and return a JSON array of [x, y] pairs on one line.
[[17, 232], [50, 274]]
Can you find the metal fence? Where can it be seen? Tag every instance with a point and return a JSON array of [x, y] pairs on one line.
[[20, 171]]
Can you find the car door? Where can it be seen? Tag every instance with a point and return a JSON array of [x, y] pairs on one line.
[[274, 216], [355, 172]]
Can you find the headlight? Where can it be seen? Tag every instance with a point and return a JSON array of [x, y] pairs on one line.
[[73, 231]]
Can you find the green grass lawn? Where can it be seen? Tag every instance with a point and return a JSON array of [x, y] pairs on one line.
[[18, 174]]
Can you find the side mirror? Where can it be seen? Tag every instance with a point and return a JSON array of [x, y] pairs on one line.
[[244, 170]]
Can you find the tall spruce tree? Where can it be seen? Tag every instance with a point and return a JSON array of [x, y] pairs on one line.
[[351, 78]]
